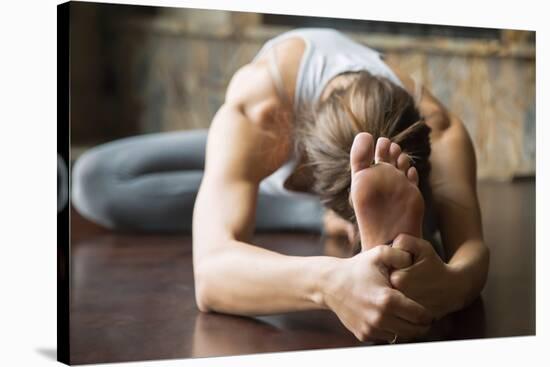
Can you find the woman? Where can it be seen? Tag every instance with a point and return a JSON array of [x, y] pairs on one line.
[[314, 115]]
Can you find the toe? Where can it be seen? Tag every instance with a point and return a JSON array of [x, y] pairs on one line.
[[412, 175], [403, 162], [382, 153], [362, 152], [395, 151]]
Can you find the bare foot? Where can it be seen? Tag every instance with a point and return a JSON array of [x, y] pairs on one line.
[[385, 196]]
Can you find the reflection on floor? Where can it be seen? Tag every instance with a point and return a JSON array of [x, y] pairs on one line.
[[133, 298]]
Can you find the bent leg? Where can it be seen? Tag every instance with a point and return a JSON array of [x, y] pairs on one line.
[[146, 182], [279, 212], [150, 182]]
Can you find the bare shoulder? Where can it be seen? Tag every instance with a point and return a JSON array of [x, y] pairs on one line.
[[252, 91], [452, 133], [453, 156], [252, 87], [252, 127], [289, 56], [454, 185], [254, 115]]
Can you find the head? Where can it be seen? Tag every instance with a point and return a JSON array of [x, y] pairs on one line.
[[368, 104]]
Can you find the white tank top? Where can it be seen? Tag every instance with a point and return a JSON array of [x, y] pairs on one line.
[[327, 53]]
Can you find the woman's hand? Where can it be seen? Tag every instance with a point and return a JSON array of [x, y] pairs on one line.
[[429, 281], [359, 292]]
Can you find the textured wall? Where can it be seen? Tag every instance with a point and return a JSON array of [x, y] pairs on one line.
[[494, 96], [178, 74]]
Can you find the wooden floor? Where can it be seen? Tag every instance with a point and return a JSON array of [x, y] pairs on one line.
[[132, 295]]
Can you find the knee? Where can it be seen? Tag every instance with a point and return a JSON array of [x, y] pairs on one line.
[[90, 178]]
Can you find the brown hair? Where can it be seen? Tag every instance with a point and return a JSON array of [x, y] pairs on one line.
[[372, 104]]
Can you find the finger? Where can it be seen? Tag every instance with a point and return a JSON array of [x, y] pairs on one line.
[[382, 152], [398, 280], [392, 257], [408, 243], [373, 334], [409, 310], [405, 330], [362, 151]]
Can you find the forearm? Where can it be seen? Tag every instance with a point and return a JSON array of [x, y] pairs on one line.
[[470, 264], [248, 280]]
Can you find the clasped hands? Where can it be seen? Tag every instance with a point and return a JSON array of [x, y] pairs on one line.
[[390, 290]]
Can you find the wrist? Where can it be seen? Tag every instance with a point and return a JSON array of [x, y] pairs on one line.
[[469, 267], [328, 271]]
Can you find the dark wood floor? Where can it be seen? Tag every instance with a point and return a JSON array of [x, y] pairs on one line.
[[133, 299]]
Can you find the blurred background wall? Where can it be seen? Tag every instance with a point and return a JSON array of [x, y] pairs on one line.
[[138, 69]]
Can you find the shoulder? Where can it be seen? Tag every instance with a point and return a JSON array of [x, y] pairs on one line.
[[453, 155], [251, 127], [253, 82], [252, 92], [451, 131], [453, 181]]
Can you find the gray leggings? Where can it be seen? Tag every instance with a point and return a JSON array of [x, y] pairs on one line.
[[149, 183]]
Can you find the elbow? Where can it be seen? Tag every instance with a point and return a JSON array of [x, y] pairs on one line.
[[207, 285], [202, 290], [201, 298], [482, 273], [209, 272], [475, 284]]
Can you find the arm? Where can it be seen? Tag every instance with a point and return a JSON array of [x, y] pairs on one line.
[[232, 275], [453, 182], [439, 286]]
